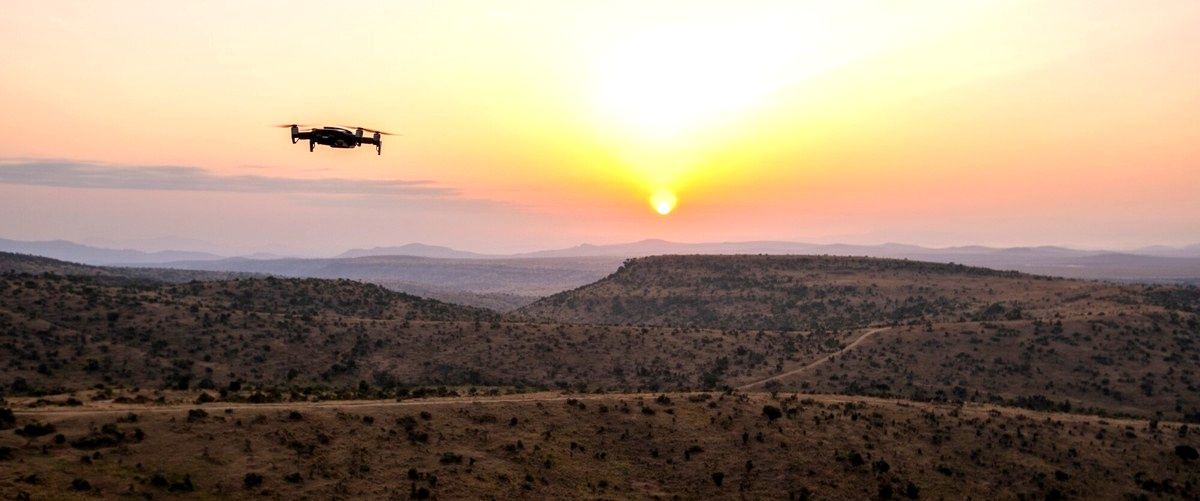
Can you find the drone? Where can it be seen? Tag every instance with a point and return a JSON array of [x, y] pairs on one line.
[[337, 137]]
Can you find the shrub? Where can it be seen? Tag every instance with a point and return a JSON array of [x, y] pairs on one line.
[[718, 478], [184, 485], [80, 484], [35, 430], [1186, 452], [771, 412], [7, 419], [252, 480]]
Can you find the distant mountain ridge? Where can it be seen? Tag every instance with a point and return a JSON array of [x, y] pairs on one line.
[[508, 281], [79, 253], [416, 250]]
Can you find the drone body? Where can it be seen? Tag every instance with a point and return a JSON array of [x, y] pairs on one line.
[[337, 137]]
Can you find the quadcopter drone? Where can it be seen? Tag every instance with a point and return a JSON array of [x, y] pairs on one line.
[[337, 137]]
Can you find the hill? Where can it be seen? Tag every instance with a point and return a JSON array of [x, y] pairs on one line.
[[22, 263], [807, 292], [546, 446], [63, 333], [944, 332]]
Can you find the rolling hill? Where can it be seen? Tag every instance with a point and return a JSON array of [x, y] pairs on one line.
[[943, 332]]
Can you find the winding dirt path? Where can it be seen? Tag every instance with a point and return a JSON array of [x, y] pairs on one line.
[[853, 344]]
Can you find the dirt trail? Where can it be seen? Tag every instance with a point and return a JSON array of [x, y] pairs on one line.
[[853, 344], [975, 409], [110, 408]]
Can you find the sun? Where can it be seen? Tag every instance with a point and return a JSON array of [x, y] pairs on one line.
[[663, 201]]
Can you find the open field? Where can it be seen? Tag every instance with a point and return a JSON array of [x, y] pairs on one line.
[[693, 445]]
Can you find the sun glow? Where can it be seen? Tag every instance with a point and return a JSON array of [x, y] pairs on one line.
[[672, 100], [667, 82], [663, 201]]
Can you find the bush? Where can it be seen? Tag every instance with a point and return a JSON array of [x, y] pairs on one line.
[[718, 478], [31, 430], [184, 485], [771, 412], [451, 458], [80, 484], [194, 415], [7, 419], [1186, 452], [252, 480]]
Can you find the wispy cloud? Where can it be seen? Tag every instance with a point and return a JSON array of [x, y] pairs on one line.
[[76, 174]]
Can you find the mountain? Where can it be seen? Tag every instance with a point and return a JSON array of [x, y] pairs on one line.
[[70, 251], [413, 249], [1168, 251]]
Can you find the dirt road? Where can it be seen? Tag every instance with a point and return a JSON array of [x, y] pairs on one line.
[[853, 344]]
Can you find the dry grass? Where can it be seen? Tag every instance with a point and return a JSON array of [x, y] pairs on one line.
[[599, 446]]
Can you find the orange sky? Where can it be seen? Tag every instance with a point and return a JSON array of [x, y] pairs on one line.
[[542, 124]]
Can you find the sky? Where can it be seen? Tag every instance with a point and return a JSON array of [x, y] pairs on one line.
[[540, 124]]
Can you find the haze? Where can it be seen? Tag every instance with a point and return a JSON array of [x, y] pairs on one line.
[[546, 124]]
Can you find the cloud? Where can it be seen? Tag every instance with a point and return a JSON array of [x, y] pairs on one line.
[[74, 174]]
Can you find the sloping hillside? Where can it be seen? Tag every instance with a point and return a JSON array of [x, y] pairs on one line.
[[22, 263], [947, 332], [813, 292], [68, 333]]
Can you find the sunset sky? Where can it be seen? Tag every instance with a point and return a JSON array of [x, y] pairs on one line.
[[535, 124]]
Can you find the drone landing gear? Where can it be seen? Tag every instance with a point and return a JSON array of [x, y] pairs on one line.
[[311, 145], [379, 148]]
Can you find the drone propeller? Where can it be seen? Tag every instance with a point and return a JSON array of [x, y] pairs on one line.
[[288, 126], [372, 130]]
